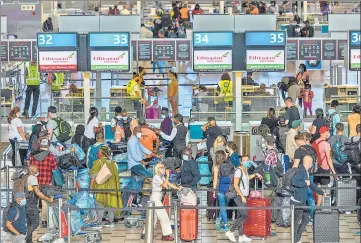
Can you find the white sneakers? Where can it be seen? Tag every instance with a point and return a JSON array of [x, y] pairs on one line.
[[242, 238], [231, 236]]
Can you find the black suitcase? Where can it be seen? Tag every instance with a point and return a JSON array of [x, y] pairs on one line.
[[346, 197], [211, 202], [322, 232]]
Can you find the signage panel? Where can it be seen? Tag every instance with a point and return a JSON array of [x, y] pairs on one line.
[[292, 50], [164, 50], [310, 50], [265, 60], [116, 39], [266, 38], [20, 51], [109, 61], [34, 51], [58, 61], [215, 60], [183, 50], [355, 38], [4, 51], [215, 39], [329, 49], [355, 60], [144, 50], [134, 50], [341, 48], [52, 40]]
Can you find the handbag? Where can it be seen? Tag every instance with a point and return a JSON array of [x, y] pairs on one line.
[[103, 175]]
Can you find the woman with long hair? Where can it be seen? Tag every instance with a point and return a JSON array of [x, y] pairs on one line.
[[302, 77], [173, 92], [218, 145], [92, 126], [317, 124], [271, 120], [16, 133], [161, 181]]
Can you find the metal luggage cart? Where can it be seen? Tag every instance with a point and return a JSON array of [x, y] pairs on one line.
[[20, 144], [118, 148]]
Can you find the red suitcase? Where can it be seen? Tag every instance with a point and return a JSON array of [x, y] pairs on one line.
[[258, 222], [188, 221]]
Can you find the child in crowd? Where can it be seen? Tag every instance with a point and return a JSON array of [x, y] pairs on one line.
[[307, 99]]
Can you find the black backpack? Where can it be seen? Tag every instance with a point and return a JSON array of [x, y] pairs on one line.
[[311, 152], [287, 179], [329, 121], [352, 150], [64, 130], [6, 214]]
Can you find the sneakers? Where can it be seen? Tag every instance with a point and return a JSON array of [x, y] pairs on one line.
[[225, 227], [230, 236], [244, 238], [96, 227], [167, 238], [109, 225], [218, 223]]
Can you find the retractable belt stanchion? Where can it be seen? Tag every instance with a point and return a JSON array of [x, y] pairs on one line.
[[7, 185], [149, 224], [176, 222], [59, 218], [69, 224], [292, 223]]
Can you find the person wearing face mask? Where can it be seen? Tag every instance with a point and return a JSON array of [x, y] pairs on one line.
[[93, 126], [116, 118], [136, 154], [177, 136], [16, 219], [149, 139], [302, 77], [125, 127], [135, 93], [173, 92], [33, 194], [189, 174], [166, 125], [45, 162], [16, 133]]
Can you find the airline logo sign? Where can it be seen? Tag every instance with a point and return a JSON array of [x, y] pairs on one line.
[[109, 61], [266, 60], [355, 60], [58, 61], [212, 60]]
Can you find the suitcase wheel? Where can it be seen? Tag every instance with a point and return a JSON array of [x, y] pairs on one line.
[[93, 237], [132, 223]]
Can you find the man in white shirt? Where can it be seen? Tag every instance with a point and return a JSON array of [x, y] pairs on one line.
[[125, 10], [145, 33], [116, 118]]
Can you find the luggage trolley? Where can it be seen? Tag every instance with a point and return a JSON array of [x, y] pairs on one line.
[[20, 144]]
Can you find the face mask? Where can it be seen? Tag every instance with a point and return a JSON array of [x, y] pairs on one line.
[[163, 116], [119, 117], [125, 118], [175, 124], [185, 157], [139, 135], [36, 174], [247, 164], [23, 202], [310, 167], [300, 70]]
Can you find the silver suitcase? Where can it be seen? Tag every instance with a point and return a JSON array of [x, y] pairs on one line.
[[346, 197]]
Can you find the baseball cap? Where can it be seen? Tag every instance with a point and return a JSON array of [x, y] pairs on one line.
[[20, 195], [296, 123], [323, 129]]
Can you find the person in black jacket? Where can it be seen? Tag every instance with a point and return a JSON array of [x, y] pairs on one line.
[[80, 139], [271, 120], [188, 174]]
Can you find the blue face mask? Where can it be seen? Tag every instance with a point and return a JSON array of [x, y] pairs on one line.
[[22, 202], [247, 164]]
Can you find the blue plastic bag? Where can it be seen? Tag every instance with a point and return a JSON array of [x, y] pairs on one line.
[[78, 151], [203, 169], [77, 222], [83, 178], [58, 177]]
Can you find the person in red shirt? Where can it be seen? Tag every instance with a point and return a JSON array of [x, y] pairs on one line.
[[307, 99], [45, 161]]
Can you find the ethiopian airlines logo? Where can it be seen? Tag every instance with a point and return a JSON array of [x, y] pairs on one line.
[[59, 59], [278, 54], [213, 58], [108, 59]]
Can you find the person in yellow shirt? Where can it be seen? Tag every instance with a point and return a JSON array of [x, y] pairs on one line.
[[354, 119], [33, 87], [254, 9], [173, 92], [184, 14], [225, 88], [134, 91]]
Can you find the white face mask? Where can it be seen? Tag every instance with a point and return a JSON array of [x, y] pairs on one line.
[[185, 157], [124, 118], [119, 117], [163, 116], [139, 135]]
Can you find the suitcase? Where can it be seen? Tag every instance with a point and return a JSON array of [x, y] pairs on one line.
[[322, 232], [151, 113], [188, 224], [327, 202], [346, 197], [203, 169], [211, 202], [258, 222]]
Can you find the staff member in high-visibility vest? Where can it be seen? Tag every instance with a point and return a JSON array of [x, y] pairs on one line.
[[133, 90], [224, 88], [56, 80], [33, 87]]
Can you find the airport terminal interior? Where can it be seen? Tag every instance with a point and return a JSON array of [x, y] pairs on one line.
[[118, 114]]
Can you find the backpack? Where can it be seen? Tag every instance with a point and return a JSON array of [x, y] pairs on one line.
[[226, 172], [20, 183], [329, 121], [172, 34], [311, 152], [315, 146], [181, 32], [281, 138], [338, 152], [352, 150], [6, 214], [287, 179], [166, 20], [64, 130]]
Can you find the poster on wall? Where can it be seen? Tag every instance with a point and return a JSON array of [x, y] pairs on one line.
[[164, 50], [109, 61], [134, 50], [4, 51], [292, 50], [215, 60], [265, 60], [329, 49], [183, 50], [355, 60], [58, 61], [20, 51], [34, 51], [310, 49], [341, 48], [145, 50]]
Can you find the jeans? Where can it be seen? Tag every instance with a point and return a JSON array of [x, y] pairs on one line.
[[159, 64], [302, 217], [307, 106], [310, 200], [241, 217], [32, 219], [139, 170], [222, 201], [22, 152], [35, 90]]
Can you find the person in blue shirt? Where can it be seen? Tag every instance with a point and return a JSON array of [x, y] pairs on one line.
[[136, 154], [301, 183], [16, 219], [232, 153], [336, 118]]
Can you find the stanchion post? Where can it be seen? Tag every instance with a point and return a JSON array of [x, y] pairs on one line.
[[69, 224], [149, 224], [7, 185], [59, 218], [176, 222], [292, 223]]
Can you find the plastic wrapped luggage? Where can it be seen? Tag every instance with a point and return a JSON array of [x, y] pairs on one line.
[[77, 150], [122, 162], [346, 197], [188, 224], [282, 217], [83, 178], [211, 202], [322, 232], [203, 169]]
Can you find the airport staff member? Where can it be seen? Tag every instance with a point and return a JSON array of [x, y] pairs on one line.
[[225, 88], [133, 90], [33, 87], [57, 81]]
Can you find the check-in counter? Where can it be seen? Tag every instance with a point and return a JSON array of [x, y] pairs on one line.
[[7, 100], [119, 97], [346, 95]]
